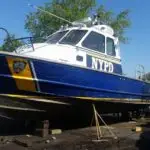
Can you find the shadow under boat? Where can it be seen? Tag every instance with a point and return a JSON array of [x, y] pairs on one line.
[[57, 108]]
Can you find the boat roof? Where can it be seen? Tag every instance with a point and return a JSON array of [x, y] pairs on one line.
[[102, 29]]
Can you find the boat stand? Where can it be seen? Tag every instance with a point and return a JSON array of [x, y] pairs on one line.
[[100, 136]]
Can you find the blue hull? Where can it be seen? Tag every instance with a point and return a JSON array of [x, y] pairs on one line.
[[50, 78]]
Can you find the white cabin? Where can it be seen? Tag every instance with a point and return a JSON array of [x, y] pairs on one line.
[[94, 47]]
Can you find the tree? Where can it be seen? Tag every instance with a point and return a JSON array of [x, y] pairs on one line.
[[10, 43], [118, 22], [41, 24], [147, 76]]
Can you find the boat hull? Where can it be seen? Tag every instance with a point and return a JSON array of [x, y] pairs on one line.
[[39, 89], [30, 76]]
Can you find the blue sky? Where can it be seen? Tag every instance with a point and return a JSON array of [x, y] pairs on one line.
[[13, 12]]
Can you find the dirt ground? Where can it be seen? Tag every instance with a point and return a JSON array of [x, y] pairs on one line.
[[85, 139]]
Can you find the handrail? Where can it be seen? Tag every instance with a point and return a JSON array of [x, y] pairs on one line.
[[140, 72], [8, 35]]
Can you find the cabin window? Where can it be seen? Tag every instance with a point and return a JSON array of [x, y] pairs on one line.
[[73, 37], [111, 47], [56, 37], [79, 58], [95, 41]]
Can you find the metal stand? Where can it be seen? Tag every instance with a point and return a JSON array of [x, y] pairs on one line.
[[100, 136]]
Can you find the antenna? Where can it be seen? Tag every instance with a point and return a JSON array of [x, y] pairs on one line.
[[47, 12]]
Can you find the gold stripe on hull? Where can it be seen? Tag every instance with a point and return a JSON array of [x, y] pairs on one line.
[[56, 99], [36, 98], [120, 100]]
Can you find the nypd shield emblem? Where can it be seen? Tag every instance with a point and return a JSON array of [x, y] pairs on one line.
[[19, 66]]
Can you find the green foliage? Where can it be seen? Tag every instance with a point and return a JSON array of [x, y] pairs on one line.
[[145, 77], [10, 44], [118, 22], [148, 76], [41, 24]]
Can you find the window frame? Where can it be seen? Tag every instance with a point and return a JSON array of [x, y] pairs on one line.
[[59, 42], [94, 49], [107, 37], [56, 33]]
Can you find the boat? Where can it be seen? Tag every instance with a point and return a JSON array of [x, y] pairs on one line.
[[76, 66]]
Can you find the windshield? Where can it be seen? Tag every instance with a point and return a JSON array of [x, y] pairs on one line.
[[56, 37], [73, 37]]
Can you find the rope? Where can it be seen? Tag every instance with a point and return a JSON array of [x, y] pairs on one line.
[[98, 129]]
